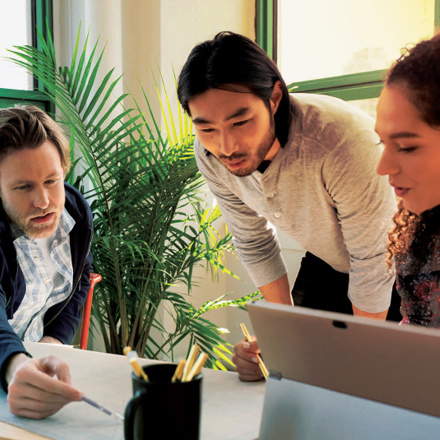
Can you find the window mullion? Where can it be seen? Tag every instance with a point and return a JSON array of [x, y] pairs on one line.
[[266, 19]]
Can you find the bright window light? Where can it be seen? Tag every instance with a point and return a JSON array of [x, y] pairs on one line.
[[15, 30], [322, 38]]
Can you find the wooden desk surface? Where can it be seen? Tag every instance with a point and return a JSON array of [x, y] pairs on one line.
[[230, 409], [11, 432]]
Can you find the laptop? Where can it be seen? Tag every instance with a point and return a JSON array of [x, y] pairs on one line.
[[335, 376]]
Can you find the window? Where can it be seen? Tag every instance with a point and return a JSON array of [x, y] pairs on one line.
[[341, 47], [18, 24], [15, 29]]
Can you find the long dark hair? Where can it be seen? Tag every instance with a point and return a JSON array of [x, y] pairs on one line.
[[417, 73], [231, 58]]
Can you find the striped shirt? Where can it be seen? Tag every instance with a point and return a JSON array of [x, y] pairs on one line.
[[48, 276]]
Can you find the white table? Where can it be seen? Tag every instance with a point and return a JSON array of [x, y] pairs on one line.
[[230, 409]]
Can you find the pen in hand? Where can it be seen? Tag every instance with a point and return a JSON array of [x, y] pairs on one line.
[[96, 405], [260, 361]]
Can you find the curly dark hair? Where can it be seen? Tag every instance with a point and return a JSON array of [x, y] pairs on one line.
[[413, 234], [417, 71], [402, 235]]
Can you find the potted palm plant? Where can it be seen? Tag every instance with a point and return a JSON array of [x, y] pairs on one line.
[[152, 228]]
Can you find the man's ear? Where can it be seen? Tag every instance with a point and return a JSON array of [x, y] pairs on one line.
[[277, 95]]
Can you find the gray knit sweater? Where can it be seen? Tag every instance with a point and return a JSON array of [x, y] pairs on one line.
[[322, 190]]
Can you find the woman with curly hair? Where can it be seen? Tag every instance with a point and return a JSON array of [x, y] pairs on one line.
[[408, 123]]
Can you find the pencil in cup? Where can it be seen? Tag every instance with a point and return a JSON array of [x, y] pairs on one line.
[[132, 357], [197, 367], [190, 361], [248, 338], [179, 371], [189, 368]]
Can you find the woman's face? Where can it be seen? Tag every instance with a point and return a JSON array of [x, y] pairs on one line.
[[411, 155]]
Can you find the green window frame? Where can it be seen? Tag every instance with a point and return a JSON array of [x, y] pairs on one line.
[[41, 13], [351, 87]]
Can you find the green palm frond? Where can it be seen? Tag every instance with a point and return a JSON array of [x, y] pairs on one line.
[[151, 227]]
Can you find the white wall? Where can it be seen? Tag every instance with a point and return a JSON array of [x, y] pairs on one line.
[[145, 36], [142, 36]]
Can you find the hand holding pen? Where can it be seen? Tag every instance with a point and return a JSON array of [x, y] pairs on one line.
[[247, 360], [39, 387], [48, 381], [260, 361]]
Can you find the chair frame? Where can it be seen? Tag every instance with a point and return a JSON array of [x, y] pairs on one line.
[[94, 278]]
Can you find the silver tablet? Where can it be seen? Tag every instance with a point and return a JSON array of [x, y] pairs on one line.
[[381, 361]]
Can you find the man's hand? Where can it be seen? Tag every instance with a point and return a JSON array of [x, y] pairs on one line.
[[33, 391], [246, 361]]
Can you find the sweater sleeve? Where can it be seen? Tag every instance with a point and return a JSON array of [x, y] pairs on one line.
[[254, 237], [365, 204]]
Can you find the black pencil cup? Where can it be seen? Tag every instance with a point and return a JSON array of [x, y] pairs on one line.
[[160, 409]]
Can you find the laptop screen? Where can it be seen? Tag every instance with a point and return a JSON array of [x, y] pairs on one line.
[[381, 361]]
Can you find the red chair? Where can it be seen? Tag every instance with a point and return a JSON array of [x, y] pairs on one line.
[[94, 278]]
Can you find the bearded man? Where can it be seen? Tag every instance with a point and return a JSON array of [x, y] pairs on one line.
[[45, 260]]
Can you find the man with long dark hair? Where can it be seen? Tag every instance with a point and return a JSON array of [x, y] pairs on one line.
[[302, 163]]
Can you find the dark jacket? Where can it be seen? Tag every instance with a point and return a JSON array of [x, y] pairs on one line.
[[61, 320]]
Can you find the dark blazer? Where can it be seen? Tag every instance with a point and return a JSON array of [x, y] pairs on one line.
[[61, 320]]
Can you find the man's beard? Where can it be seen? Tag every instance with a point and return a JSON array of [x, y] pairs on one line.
[[32, 229], [256, 158]]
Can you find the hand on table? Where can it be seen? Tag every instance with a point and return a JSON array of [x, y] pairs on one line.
[[33, 390], [246, 361]]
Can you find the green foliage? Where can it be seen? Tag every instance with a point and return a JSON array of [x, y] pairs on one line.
[[151, 227]]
